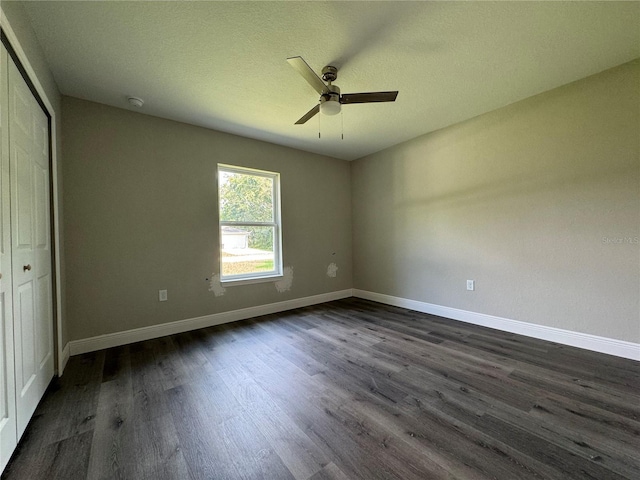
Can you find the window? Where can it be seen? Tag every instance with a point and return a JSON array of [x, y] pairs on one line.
[[250, 232]]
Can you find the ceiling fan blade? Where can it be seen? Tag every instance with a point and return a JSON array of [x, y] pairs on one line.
[[308, 115], [309, 75], [368, 97]]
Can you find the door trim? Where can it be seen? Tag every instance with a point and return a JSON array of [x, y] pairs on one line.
[[17, 53]]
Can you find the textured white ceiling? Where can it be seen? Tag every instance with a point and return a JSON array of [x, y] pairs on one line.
[[222, 65]]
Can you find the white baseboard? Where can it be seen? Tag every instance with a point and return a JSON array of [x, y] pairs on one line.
[[64, 358], [595, 343], [109, 340], [610, 346]]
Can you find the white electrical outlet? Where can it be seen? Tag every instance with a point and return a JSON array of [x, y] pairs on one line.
[[162, 295], [471, 284]]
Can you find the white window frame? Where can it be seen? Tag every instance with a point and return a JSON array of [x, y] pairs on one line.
[[246, 278]]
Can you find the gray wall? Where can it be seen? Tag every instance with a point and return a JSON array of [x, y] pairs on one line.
[[141, 215], [21, 26], [522, 200]]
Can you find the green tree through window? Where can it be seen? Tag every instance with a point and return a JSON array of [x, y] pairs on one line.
[[249, 198]]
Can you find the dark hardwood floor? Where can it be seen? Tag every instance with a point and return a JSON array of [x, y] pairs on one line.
[[345, 390]]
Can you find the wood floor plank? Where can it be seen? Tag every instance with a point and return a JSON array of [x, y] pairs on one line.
[[387, 455], [173, 370], [297, 356], [293, 446], [330, 472], [69, 457], [616, 434], [546, 452], [624, 405], [147, 383], [199, 436], [113, 437], [75, 411], [510, 391], [157, 450], [61, 460], [464, 419], [117, 363], [256, 459], [333, 401], [349, 389]]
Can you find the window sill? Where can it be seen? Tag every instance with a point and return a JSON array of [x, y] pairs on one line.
[[248, 281]]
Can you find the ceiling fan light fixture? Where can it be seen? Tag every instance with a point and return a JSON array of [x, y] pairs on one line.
[[330, 106]]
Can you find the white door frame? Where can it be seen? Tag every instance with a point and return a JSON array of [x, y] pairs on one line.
[[62, 351]]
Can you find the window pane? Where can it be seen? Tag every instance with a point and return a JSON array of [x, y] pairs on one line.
[[247, 250], [245, 198]]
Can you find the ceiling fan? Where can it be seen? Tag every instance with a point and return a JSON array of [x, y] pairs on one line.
[[331, 100]]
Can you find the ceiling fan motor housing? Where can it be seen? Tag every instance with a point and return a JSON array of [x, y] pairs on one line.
[[329, 73], [332, 90]]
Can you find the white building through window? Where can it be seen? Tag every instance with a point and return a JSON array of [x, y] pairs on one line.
[[250, 230]]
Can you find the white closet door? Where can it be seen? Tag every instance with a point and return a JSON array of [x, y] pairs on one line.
[[8, 432], [30, 247]]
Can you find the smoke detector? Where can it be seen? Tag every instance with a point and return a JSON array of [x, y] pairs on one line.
[[135, 101]]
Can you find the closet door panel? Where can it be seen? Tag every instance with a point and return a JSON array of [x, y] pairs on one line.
[[30, 247], [8, 425], [42, 240], [44, 332], [21, 168], [24, 189], [25, 336]]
